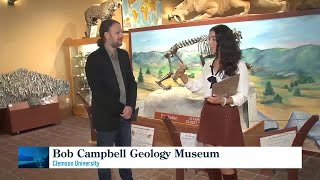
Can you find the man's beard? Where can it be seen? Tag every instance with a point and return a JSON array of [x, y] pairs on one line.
[[116, 44]]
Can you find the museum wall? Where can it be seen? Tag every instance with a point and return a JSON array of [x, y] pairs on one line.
[[33, 34]]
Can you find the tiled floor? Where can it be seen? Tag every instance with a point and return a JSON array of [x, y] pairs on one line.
[[75, 132]]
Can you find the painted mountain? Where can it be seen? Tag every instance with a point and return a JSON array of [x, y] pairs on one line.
[[284, 62], [157, 59], [268, 63]]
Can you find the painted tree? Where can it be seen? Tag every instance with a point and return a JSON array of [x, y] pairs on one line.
[[291, 84], [269, 89], [191, 75], [296, 92], [160, 73], [277, 98], [140, 77], [304, 79], [148, 71]]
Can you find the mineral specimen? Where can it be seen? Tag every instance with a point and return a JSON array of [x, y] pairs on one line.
[[35, 88]]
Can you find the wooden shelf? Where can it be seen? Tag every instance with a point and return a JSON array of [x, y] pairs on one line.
[[83, 41]]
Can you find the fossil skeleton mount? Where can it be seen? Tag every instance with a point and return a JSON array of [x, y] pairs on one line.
[[203, 49]]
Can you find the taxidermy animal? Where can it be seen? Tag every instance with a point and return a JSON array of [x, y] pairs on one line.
[[101, 11], [23, 85], [209, 8]]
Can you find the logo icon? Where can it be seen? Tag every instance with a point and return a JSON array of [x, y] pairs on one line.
[[33, 157]]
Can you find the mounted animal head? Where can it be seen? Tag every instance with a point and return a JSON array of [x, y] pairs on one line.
[[182, 10]]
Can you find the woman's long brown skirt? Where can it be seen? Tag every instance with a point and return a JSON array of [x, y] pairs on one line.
[[220, 125]]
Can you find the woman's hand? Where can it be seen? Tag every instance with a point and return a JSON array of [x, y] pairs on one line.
[[215, 99], [180, 71]]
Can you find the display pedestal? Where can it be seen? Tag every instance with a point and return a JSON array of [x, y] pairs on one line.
[[20, 116]]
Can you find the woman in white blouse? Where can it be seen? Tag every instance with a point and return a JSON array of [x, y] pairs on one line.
[[220, 119]]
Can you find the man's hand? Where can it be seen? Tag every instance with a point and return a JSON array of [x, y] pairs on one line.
[[215, 99], [127, 112]]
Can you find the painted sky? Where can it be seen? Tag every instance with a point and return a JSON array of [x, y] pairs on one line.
[[263, 34]]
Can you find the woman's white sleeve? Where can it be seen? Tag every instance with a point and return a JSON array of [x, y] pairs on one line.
[[195, 85], [243, 86]]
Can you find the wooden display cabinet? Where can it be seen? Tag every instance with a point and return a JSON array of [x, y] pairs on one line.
[[78, 51], [21, 117]]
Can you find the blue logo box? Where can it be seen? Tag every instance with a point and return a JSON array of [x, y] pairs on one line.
[[33, 157]]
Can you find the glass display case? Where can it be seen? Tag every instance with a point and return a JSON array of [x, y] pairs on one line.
[[79, 50]]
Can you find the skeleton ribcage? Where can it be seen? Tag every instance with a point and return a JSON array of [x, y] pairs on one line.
[[203, 46]]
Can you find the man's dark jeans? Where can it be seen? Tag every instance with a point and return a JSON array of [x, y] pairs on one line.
[[120, 137]]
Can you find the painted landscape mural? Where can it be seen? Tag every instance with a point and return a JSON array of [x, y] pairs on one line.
[[284, 53]]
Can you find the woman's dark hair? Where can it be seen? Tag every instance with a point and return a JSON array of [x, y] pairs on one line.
[[228, 50], [105, 27]]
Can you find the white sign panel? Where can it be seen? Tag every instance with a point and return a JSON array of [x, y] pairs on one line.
[[141, 136]]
